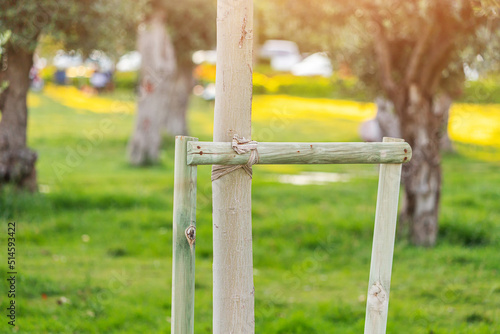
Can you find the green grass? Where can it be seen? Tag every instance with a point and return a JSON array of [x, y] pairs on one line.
[[100, 235]]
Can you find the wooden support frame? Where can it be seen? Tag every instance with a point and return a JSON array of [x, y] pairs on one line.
[[183, 239], [208, 153], [189, 153], [377, 301]]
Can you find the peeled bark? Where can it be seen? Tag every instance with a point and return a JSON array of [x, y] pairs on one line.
[[156, 77], [420, 127], [175, 118], [17, 161]]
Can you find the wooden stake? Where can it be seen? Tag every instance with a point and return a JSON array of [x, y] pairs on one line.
[[377, 303], [233, 290], [208, 153], [184, 238]]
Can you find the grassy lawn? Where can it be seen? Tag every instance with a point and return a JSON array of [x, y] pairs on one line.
[[94, 246]]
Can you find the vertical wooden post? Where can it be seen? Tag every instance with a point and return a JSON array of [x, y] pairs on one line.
[[233, 290], [377, 303], [184, 237]]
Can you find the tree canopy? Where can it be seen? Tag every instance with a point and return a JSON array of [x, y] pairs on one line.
[[83, 25], [393, 40]]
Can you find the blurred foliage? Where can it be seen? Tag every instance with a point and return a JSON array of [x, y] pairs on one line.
[[47, 73], [191, 24], [347, 30], [471, 124], [126, 80], [484, 90], [334, 87], [339, 87], [79, 25]]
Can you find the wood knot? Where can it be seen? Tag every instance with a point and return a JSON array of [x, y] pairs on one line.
[[377, 298], [191, 235]]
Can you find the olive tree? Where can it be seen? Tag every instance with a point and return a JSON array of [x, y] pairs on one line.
[[411, 52], [84, 25], [166, 39]]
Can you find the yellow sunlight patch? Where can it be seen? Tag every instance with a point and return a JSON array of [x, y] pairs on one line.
[[477, 124], [265, 106], [469, 123], [33, 100], [71, 97]]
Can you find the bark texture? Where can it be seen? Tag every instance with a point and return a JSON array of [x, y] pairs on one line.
[[17, 161], [174, 120], [386, 122], [420, 127], [233, 290], [156, 83], [442, 105]]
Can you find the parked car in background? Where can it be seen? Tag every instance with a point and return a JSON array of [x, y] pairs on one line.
[[205, 56], [63, 60], [129, 62], [315, 64], [282, 54]]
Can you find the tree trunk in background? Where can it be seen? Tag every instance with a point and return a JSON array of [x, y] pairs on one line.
[[387, 119], [442, 105], [427, 133], [420, 127], [17, 162], [387, 122], [174, 120], [156, 77]]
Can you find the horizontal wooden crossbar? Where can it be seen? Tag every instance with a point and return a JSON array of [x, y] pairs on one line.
[[221, 153]]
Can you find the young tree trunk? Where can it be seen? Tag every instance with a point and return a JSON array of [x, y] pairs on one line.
[[17, 162], [420, 127], [156, 75], [174, 120], [233, 290]]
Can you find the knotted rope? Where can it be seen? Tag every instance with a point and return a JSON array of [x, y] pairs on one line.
[[240, 146]]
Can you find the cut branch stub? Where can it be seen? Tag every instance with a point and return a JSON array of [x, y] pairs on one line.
[[191, 235]]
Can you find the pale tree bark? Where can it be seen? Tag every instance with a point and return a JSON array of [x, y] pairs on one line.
[[156, 82], [174, 120], [233, 290], [386, 121], [17, 161], [442, 105], [420, 127]]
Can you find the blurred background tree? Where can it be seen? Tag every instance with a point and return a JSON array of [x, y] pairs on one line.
[[79, 25], [167, 37], [412, 52]]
